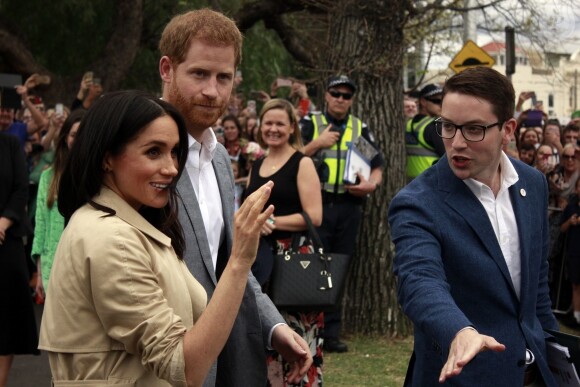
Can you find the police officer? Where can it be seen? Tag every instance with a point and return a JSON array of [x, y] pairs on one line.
[[424, 147], [327, 137]]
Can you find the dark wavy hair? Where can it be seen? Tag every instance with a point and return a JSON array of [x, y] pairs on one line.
[[110, 124]]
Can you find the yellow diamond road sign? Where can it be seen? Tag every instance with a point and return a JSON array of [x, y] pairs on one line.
[[471, 55]]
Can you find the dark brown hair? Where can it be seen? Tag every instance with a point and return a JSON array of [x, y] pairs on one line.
[[487, 84], [61, 153], [110, 124]]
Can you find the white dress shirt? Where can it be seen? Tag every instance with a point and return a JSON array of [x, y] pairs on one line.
[[501, 215], [202, 175], [203, 178]]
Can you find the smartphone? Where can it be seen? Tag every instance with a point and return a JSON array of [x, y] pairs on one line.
[[534, 98], [59, 109], [88, 76], [251, 105], [283, 82]]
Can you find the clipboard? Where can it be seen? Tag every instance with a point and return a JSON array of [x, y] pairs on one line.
[[356, 163], [564, 358]]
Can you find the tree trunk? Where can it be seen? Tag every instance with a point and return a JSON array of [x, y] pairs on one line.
[[367, 43]]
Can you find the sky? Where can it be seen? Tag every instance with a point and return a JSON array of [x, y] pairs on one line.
[[566, 38]]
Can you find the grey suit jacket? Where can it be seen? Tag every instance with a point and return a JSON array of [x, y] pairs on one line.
[[243, 359]]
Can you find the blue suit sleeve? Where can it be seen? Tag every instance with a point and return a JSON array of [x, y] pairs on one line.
[[423, 290]]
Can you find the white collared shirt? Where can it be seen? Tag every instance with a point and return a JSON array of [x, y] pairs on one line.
[[501, 215], [204, 181], [202, 175]]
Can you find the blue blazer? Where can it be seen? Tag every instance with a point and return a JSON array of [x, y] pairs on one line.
[[452, 274]]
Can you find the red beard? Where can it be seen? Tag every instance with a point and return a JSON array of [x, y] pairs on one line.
[[193, 109]]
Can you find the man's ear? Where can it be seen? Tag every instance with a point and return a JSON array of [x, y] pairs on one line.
[[509, 127], [165, 69]]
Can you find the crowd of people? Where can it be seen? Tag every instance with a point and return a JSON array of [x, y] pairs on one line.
[[183, 231], [173, 213]]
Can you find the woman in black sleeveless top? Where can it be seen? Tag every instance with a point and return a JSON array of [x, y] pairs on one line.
[[296, 189]]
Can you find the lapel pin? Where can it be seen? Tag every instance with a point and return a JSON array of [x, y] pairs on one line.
[[523, 192]]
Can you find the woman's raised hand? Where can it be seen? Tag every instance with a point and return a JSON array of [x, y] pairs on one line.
[[248, 221]]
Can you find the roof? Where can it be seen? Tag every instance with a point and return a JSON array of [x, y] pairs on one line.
[[493, 47]]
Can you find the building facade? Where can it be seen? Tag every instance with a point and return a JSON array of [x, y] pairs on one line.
[[552, 76]]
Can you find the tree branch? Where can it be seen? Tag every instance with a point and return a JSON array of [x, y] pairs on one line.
[[271, 12], [15, 52]]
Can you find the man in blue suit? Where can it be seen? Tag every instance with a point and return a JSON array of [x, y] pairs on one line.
[[471, 237]]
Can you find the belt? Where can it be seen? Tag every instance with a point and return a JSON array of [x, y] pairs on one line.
[[530, 374]]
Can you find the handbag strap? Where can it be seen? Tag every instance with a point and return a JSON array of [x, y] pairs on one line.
[[314, 237]]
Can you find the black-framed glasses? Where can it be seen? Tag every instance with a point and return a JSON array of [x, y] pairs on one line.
[[338, 94], [569, 157], [470, 132]]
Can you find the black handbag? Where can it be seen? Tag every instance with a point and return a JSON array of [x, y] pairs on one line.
[[308, 282]]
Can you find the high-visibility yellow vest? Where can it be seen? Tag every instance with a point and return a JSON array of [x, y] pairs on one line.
[[420, 155], [335, 156]]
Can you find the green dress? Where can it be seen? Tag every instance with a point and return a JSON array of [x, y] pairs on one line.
[[48, 228]]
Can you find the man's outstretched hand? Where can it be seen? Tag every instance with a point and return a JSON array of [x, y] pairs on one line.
[[464, 347]]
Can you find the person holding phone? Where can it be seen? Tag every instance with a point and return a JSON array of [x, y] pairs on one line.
[[89, 90], [10, 122]]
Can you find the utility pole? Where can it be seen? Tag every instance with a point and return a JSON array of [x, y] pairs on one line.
[[510, 52], [575, 89], [469, 24]]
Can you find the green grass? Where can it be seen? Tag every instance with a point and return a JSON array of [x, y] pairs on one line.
[[370, 361], [375, 361]]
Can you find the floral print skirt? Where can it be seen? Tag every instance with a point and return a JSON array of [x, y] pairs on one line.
[[310, 326]]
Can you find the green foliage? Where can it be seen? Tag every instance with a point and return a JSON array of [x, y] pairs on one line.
[[68, 35], [144, 73], [64, 36], [264, 59]]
